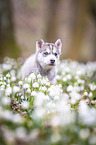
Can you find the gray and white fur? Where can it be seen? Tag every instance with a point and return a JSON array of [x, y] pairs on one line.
[[44, 60]]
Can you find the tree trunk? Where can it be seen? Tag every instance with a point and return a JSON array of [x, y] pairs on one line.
[[79, 27], [8, 46], [52, 20], [93, 14]]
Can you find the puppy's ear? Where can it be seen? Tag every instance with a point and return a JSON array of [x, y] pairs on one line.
[[39, 44], [58, 44]]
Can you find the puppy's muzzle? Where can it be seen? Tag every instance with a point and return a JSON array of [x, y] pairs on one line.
[[52, 61]]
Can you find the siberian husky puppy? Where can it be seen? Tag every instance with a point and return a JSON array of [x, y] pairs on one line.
[[44, 60]]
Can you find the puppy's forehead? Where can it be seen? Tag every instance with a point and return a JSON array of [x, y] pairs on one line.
[[50, 47]]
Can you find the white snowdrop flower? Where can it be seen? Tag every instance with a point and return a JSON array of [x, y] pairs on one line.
[[17, 118], [1, 83], [39, 100], [2, 89], [8, 85], [4, 83], [12, 72], [34, 133], [20, 83], [69, 88], [62, 106], [85, 93], [65, 97], [13, 79], [55, 121], [69, 77], [80, 81], [47, 79], [76, 77], [35, 85], [81, 88], [48, 84], [87, 100], [22, 97], [67, 69], [8, 91], [26, 86], [84, 133], [51, 92], [58, 77], [4, 78], [20, 60], [83, 81], [6, 100], [64, 79], [79, 72], [63, 73], [6, 66], [46, 98], [39, 76], [20, 133], [44, 81], [92, 140], [16, 89], [75, 95], [73, 101], [33, 93], [87, 115], [53, 105], [26, 79], [92, 87], [8, 75], [49, 104], [3, 86], [14, 65], [90, 94], [77, 88], [54, 90], [9, 134], [56, 98], [55, 138], [68, 118], [43, 88], [32, 76], [8, 81], [29, 79], [1, 78], [83, 106], [39, 80], [60, 85], [28, 90], [25, 105], [40, 88], [6, 115], [38, 113]]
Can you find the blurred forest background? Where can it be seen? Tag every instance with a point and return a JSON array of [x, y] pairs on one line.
[[23, 22]]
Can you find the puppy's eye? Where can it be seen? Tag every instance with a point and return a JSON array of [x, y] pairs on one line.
[[46, 53], [55, 54]]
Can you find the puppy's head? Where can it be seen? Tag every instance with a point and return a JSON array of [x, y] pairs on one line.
[[47, 54]]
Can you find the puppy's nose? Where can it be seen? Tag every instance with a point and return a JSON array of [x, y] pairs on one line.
[[52, 60]]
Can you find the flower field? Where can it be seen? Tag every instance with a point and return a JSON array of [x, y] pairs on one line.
[[34, 112]]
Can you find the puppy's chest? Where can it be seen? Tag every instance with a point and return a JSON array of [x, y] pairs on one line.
[[50, 73]]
